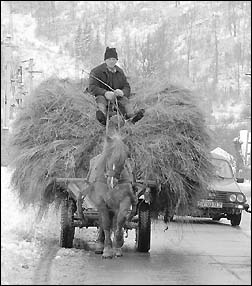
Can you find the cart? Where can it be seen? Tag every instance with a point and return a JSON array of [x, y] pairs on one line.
[[70, 218]]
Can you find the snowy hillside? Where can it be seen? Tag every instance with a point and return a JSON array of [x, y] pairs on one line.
[[48, 58]]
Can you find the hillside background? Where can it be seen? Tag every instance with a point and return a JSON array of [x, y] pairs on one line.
[[203, 45]]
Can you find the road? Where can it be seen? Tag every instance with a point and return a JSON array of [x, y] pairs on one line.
[[190, 252]]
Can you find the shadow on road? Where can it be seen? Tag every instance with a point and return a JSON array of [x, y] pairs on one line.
[[203, 221], [42, 272]]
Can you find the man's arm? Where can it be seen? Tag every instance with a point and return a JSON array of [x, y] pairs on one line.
[[126, 87], [94, 86]]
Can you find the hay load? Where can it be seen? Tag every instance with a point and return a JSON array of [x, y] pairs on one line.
[[171, 144], [56, 134]]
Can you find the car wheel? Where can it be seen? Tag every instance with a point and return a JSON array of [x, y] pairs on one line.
[[235, 219], [67, 224]]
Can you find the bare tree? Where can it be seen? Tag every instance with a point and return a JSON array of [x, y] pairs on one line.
[[106, 23], [216, 52], [54, 24]]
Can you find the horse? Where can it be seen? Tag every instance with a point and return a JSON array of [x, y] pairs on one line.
[[112, 193]]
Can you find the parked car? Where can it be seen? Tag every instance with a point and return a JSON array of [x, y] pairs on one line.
[[225, 198]]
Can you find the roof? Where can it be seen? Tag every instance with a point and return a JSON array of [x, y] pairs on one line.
[[223, 153], [218, 156]]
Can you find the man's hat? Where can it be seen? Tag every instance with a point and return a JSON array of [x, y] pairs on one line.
[[110, 53]]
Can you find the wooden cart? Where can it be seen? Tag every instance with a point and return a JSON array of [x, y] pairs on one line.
[[70, 218]]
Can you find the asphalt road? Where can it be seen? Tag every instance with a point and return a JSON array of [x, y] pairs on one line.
[[190, 252]]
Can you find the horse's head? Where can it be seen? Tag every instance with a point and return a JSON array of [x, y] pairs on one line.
[[116, 153]]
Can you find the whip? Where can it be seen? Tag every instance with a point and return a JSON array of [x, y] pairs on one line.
[[118, 110], [98, 79]]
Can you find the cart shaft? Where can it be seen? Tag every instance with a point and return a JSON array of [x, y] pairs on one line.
[[66, 180]]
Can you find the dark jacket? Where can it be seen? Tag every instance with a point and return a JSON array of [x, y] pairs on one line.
[[115, 80]]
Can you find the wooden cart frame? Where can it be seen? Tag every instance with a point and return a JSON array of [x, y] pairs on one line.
[[70, 218]]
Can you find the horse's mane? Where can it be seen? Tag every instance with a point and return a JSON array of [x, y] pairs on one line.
[[115, 149]]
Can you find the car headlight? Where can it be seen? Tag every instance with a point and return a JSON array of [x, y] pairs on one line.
[[232, 198], [240, 198]]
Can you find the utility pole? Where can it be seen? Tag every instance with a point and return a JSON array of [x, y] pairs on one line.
[[7, 81], [6, 77], [31, 72], [31, 75], [248, 139], [20, 86]]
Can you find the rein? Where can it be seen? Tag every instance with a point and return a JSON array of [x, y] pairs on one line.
[[110, 175], [107, 120], [117, 109], [118, 113]]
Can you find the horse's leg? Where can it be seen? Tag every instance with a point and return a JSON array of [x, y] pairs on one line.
[[97, 199], [106, 225], [99, 244], [115, 218], [121, 218]]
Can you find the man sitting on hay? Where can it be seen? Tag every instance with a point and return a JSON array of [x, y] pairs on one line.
[[108, 83]]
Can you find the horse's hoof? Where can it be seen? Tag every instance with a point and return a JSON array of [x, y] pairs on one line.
[[107, 256], [118, 252], [97, 251], [107, 253], [99, 248]]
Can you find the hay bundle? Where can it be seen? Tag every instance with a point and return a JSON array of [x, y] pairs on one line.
[[56, 134], [171, 144]]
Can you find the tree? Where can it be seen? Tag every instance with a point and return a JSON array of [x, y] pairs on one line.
[[97, 50], [52, 21], [237, 56], [216, 51]]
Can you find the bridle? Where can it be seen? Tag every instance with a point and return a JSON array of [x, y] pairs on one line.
[[113, 176]]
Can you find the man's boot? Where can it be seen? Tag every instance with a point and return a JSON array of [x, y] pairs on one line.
[[101, 117], [133, 117], [139, 115]]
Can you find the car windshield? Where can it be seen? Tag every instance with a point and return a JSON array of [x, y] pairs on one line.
[[223, 169]]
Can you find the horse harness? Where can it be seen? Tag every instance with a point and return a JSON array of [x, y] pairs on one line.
[[118, 174]]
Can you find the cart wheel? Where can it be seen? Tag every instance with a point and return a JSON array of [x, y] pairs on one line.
[[67, 224], [143, 231], [235, 219]]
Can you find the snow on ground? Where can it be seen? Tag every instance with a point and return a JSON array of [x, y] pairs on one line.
[[24, 240]]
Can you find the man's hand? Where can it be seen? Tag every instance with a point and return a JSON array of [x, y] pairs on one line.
[[118, 93], [110, 95]]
